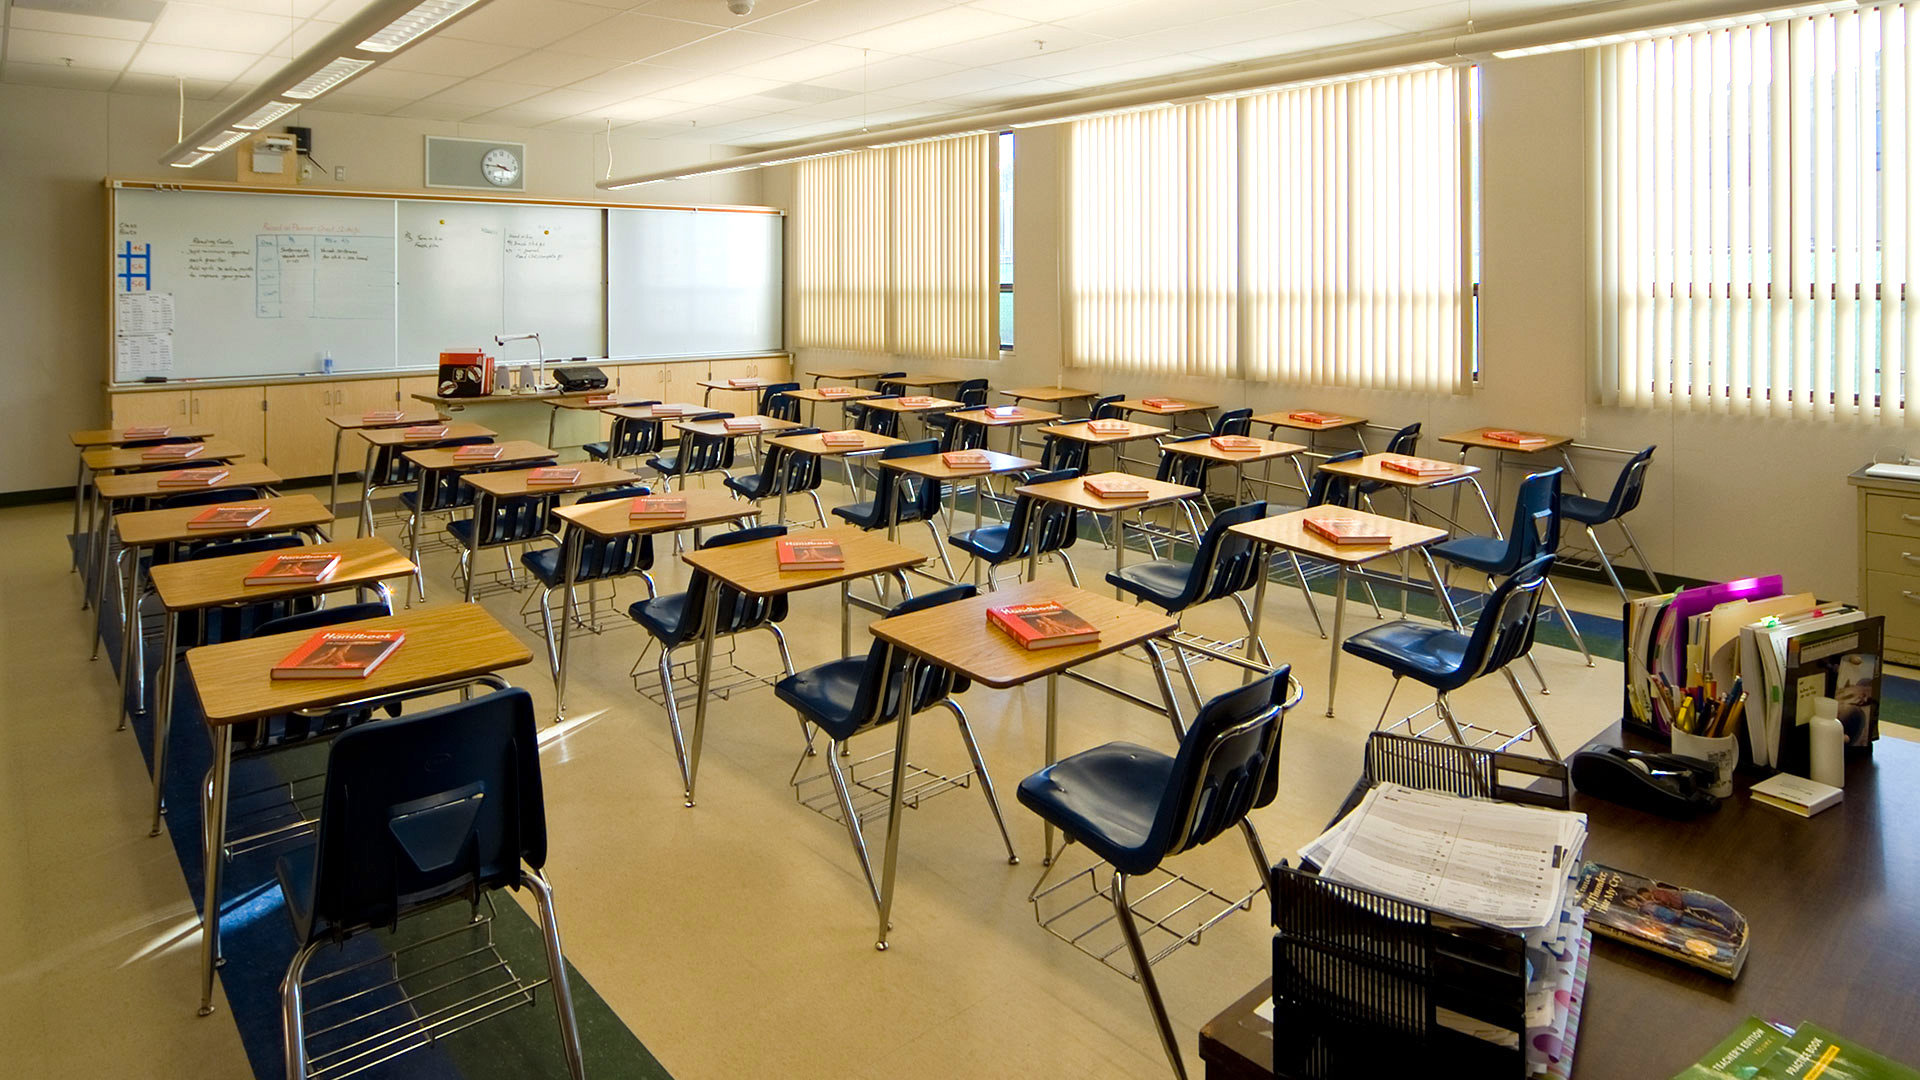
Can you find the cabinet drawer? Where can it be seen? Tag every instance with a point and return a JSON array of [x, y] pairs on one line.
[[1896, 596], [1894, 554], [1893, 514]]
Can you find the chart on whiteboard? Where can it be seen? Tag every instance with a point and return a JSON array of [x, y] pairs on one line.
[[322, 277]]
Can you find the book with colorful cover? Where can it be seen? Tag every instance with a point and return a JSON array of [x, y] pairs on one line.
[[1741, 1055], [843, 438], [553, 475], [1003, 412], [1308, 416], [206, 477], [1115, 487], [966, 459], [384, 416], [1044, 625], [295, 568], [1415, 466], [1814, 1052], [228, 517], [1235, 444], [1516, 438], [657, 506], [144, 432], [424, 431], [1695, 928], [179, 451], [339, 654], [741, 423], [1109, 427], [802, 554], [479, 452], [1335, 529]]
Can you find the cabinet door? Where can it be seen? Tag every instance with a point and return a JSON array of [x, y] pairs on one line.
[[409, 385], [236, 414], [158, 408], [363, 396], [774, 368], [299, 439], [722, 370]]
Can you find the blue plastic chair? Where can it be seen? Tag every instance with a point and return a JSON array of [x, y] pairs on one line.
[[1224, 565], [439, 491], [1234, 422], [919, 498], [702, 454], [601, 559], [1445, 659], [783, 470], [629, 437], [1406, 441], [847, 697], [999, 544], [1535, 531], [971, 394], [675, 619], [432, 809], [1136, 807], [774, 402], [1107, 408], [877, 421], [1592, 513]]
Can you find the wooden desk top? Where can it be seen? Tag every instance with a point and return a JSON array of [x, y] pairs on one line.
[[1048, 393], [894, 405], [203, 583], [444, 642], [688, 411], [1369, 468], [719, 427], [1289, 531], [1078, 432], [1478, 438], [1072, 492], [609, 518], [408, 418], [753, 568], [933, 467], [396, 436], [592, 402], [743, 384], [1281, 419], [1177, 407], [115, 458], [811, 444], [512, 452], [1023, 416], [148, 527], [141, 485], [511, 483], [956, 635], [926, 378], [848, 393], [1204, 448], [118, 436], [844, 373]]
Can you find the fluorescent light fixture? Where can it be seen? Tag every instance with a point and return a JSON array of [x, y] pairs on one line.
[[266, 114], [1695, 27], [1329, 80], [193, 159], [421, 20], [1093, 115], [327, 78], [226, 139]]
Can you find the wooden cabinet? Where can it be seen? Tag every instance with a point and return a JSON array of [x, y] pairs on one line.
[[238, 413], [299, 439], [409, 385], [1890, 560], [154, 408]]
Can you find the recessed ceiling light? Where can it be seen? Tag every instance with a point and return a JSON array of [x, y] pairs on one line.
[[327, 78], [222, 142], [266, 114], [422, 19]]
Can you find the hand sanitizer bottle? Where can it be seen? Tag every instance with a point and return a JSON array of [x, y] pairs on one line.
[[1827, 744], [326, 361]]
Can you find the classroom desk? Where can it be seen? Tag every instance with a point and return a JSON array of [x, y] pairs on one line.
[[359, 422], [105, 459], [221, 582], [1829, 900], [90, 438], [1476, 439], [1172, 410], [934, 467], [1078, 433], [843, 374], [1073, 492], [433, 460], [954, 636], [752, 568], [687, 411], [1288, 532], [812, 444], [495, 485], [1050, 395], [378, 439], [1267, 451], [448, 647], [753, 385], [1336, 422], [1021, 417], [717, 428], [816, 396], [505, 410], [1369, 470], [152, 528], [608, 520], [926, 380]]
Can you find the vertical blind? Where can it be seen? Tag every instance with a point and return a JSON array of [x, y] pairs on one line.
[[1309, 235], [1755, 223], [895, 250]]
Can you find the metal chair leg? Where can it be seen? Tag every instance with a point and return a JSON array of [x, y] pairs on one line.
[[673, 716], [1144, 969], [1246, 616], [780, 639], [546, 624], [1306, 590], [1446, 714], [986, 781], [1186, 674], [1639, 555], [1072, 574], [1259, 853], [557, 973], [1567, 617], [1388, 704], [834, 753], [1546, 740], [817, 511], [293, 1025], [940, 548], [1607, 564]]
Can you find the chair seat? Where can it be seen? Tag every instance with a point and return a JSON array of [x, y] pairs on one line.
[[1105, 798], [1582, 509], [1433, 655], [1162, 581], [749, 486], [296, 872], [410, 499], [664, 464], [660, 616], [545, 565], [987, 542], [1482, 553], [461, 529], [825, 694], [596, 450], [867, 516]]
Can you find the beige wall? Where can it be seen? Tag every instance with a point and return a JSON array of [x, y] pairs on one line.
[[1727, 497], [57, 147]]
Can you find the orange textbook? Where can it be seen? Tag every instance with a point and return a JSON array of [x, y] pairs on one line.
[[309, 567], [838, 391], [553, 475], [843, 438], [193, 477], [741, 423], [1415, 466], [809, 554], [743, 382], [666, 412], [918, 401], [179, 451], [479, 452], [1346, 530], [1517, 438], [1109, 427], [1115, 487], [1235, 444], [339, 654], [966, 459], [1044, 625], [649, 507], [1160, 402], [385, 416], [228, 517], [1308, 416], [144, 432], [424, 431], [1003, 412]]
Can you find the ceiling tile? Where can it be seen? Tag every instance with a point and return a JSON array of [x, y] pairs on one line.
[[1304, 41], [1103, 53], [134, 82], [714, 12], [711, 116], [1451, 16], [1014, 45], [58, 75], [526, 23], [514, 116], [1150, 16], [40, 47], [1044, 10], [958, 84], [717, 88], [853, 106], [1140, 69], [633, 80], [566, 102], [182, 60], [932, 31], [386, 82], [66, 22], [445, 56], [883, 72], [641, 108], [220, 28], [299, 9], [341, 10], [548, 67], [488, 92], [309, 33], [810, 62], [827, 20], [727, 50], [633, 37], [348, 101], [438, 110]]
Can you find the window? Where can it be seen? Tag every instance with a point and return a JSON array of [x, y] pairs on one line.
[[1757, 219], [1006, 240], [895, 249]]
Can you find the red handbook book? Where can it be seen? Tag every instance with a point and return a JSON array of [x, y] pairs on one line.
[[843, 438], [666, 412], [741, 423], [1415, 466], [918, 401], [307, 568], [1115, 487], [649, 507], [1346, 530], [1517, 438], [479, 452], [743, 382], [179, 451], [1110, 427], [144, 432], [809, 554], [1044, 625], [1235, 444], [384, 417], [553, 476], [1003, 412], [339, 654], [424, 431], [1161, 402], [1308, 416], [193, 477], [838, 391], [228, 517], [966, 459]]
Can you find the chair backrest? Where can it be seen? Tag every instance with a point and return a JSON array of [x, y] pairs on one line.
[[774, 402], [1059, 523], [877, 421], [1631, 483], [892, 485], [1535, 529], [706, 453], [1226, 562], [972, 394], [443, 803], [1058, 454], [512, 520], [392, 469], [959, 436], [441, 489], [887, 386], [605, 557], [633, 437], [877, 700], [1330, 489], [1228, 764], [1106, 408], [323, 617], [1405, 441], [1234, 422], [207, 498], [1504, 632], [1187, 469], [735, 612], [798, 472]]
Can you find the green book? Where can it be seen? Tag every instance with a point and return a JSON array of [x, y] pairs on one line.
[[1741, 1055], [1814, 1053]]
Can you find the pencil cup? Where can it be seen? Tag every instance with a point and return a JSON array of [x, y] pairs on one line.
[[1722, 753]]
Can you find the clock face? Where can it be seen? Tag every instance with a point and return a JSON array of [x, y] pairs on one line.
[[500, 167]]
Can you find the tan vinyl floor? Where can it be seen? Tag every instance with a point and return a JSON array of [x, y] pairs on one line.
[[737, 938]]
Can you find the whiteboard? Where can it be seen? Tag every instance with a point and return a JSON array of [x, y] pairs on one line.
[[693, 284]]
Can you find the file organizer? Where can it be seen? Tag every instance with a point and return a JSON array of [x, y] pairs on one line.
[[1361, 980]]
